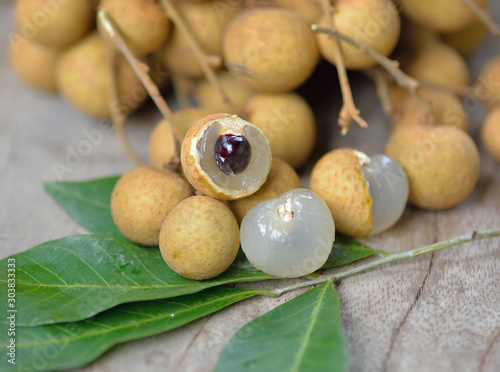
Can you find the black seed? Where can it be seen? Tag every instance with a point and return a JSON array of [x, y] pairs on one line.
[[232, 153]]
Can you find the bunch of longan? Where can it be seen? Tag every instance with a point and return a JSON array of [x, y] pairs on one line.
[[241, 61]]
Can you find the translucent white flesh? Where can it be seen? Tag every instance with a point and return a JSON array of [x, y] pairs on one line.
[[258, 168], [287, 247], [388, 185]]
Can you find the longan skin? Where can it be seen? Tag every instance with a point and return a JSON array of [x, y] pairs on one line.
[[54, 23], [282, 177], [142, 23], [442, 164], [443, 15], [468, 39], [141, 200], [337, 178], [288, 122], [275, 48], [34, 63], [440, 64], [353, 18], [200, 238], [487, 87], [83, 78], [490, 134], [444, 109]]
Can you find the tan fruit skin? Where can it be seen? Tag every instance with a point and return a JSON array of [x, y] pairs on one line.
[[442, 164], [142, 23], [442, 15], [444, 109], [488, 84], [373, 22], [490, 134], [288, 122], [34, 63], [83, 79], [63, 22], [282, 177], [338, 180], [466, 40], [200, 238], [141, 200], [439, 64], [276, 47]]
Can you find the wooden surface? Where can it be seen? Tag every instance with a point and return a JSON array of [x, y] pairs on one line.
[[439, 312]]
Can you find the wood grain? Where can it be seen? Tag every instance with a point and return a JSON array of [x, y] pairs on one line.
[[439, 312]]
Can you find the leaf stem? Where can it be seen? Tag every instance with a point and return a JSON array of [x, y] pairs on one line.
[[348, 112], [391, 258], [483, 16], [142, 71]]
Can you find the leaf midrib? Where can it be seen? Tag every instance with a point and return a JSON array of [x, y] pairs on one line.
[[307, 336]]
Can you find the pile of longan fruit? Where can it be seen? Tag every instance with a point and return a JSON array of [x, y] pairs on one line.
[[242, 142]]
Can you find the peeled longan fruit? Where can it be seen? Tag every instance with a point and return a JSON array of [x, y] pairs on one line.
[[54, 23], [372, 22], [490, 134], [161, 141], [466, 40], [487, 86], [142, 23], [141, 200], [238, 93], [440, 64], [34, 63], [83, 79], [281, 178], [207, 23], [288, 122], [443, 15], [273, 50], [200, 238], [444, 108], [442, 164]]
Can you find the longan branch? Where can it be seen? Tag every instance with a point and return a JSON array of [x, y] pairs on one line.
[[348, 112], [382, 86], [391, 258], [172, 13], [118, 117], [483, 16], [142, 71]]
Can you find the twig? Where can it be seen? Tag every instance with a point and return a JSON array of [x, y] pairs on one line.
[[382, 87], [172, 13], [118, 117], [181, 93], [483, 16], [348, 112], [391, 258], [142, 71]]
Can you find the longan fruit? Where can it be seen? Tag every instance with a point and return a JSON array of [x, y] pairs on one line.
[[444, 108], [310, 10], [466, 40], [238, 93], [443, 15], [141, 200], [490, 134], [442, 164], [142, 23], [54, 23], [487, 86], [288, 122], [273, 50], [372, 22], [83, 79], [200, 238], [34, 63], [441, 65]]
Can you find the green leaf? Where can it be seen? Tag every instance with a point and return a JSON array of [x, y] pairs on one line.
[[88, 203], [76, 277], [72, 345], [304, 334], [345, 250]]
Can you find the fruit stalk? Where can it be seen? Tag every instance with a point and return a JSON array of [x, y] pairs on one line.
[[348, 112], [483, 16], [475, 235]]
